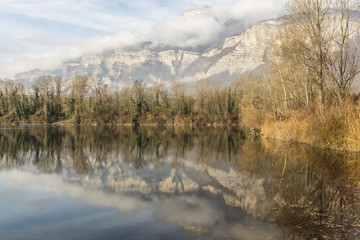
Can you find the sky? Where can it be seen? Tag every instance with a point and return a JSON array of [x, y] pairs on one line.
[[41, 34]]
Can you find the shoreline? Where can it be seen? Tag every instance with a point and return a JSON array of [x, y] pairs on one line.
[[126, 124], [249, 133]]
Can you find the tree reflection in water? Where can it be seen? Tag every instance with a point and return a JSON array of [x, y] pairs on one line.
[[315, 192], [310, 193]]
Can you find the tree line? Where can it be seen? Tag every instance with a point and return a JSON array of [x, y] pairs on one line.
[[87, 101]]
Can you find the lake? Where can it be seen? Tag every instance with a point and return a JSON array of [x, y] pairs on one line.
[[172, 183]]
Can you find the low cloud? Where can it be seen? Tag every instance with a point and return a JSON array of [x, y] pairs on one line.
[[120, 40], [204, 23], [188, 32], [250, 11], [53, 59]]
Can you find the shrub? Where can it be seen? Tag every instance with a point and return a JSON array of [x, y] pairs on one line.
[[336, 127]]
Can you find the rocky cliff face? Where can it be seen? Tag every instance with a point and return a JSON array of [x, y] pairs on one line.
[[233, 56]]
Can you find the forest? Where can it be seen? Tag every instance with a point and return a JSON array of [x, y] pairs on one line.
[[304, 93]]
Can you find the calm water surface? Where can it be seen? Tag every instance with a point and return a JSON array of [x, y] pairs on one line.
[[148, 183]]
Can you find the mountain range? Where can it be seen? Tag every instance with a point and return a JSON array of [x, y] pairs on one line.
[[238, 50]]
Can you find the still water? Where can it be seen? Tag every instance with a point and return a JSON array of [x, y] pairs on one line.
[[151, 183]]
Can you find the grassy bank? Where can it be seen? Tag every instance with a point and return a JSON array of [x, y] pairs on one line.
[[336, 127]]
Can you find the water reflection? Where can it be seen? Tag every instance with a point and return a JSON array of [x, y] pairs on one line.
[[315, 192], [203, 182]]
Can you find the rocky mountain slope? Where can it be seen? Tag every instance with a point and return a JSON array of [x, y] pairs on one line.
[[225, 60]]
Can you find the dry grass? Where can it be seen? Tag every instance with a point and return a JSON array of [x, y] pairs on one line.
[[253, 118], [336, 127]]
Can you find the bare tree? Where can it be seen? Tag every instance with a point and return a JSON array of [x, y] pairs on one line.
[[313, 18], [344, 61], [177, 89], [79, 89], [318, 50], [139, 89]]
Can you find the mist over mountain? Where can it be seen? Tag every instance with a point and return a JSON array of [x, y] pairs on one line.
[[44, 35], [224, 59], [205, 42]]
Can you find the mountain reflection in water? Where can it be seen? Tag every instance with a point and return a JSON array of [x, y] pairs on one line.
[[125, 183]]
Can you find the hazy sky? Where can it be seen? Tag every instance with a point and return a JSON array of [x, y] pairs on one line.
[[43, 33]]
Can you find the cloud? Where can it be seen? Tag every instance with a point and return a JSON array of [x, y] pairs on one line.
[[102, 15], [188, 32], [42, 34], [101, 43], [249, 10], [202, 24], [189, 210], [55, 184], [53, 59], [38, 34]]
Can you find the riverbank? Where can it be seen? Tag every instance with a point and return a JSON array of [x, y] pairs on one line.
[[335, 127], [194, 121]]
